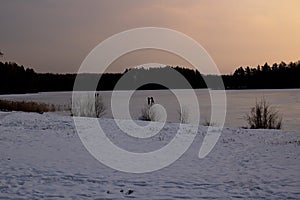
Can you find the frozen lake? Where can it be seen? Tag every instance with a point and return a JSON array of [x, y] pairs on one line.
[[287, 102]]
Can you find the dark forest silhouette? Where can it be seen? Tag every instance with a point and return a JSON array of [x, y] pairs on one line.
[[277, 76], [18, 79]]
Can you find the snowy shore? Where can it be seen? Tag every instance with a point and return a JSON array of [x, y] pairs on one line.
[[41, 156]]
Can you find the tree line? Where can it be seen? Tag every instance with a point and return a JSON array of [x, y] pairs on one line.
[[277, 76], [16, 78]]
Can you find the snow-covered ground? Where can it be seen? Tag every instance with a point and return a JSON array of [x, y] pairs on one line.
[[41, 156]]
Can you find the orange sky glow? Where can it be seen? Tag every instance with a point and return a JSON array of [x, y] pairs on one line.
[[55, 36]]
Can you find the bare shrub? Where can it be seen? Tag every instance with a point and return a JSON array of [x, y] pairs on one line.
[[88, 105], [264, 116], [99, 106], [145, 113], [184, 115], [209, 123], [154, 113]]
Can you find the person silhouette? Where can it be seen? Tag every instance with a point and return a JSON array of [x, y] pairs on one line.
[[151, 100]]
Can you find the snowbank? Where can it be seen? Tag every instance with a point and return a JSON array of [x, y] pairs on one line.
[[41, 156]]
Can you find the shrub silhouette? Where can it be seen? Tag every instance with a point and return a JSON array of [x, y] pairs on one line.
[[184, 115], [264, 116], [145, 113], [87, 105], [99, 107], [208, 123]]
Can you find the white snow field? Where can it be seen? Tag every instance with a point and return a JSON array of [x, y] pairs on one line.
[[42, 157]]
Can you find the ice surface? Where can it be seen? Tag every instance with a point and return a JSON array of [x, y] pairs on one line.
[[239, 102], [41, 156]]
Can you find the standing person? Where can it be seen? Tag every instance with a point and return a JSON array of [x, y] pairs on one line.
[[149, 100], [152, 100]]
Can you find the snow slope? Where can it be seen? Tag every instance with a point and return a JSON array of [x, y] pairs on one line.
[[41, 156]]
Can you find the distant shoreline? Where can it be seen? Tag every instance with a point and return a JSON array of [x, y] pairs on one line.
[[227, 90], [15, 79]]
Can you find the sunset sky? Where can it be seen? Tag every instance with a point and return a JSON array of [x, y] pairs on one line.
[[55, 36]]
